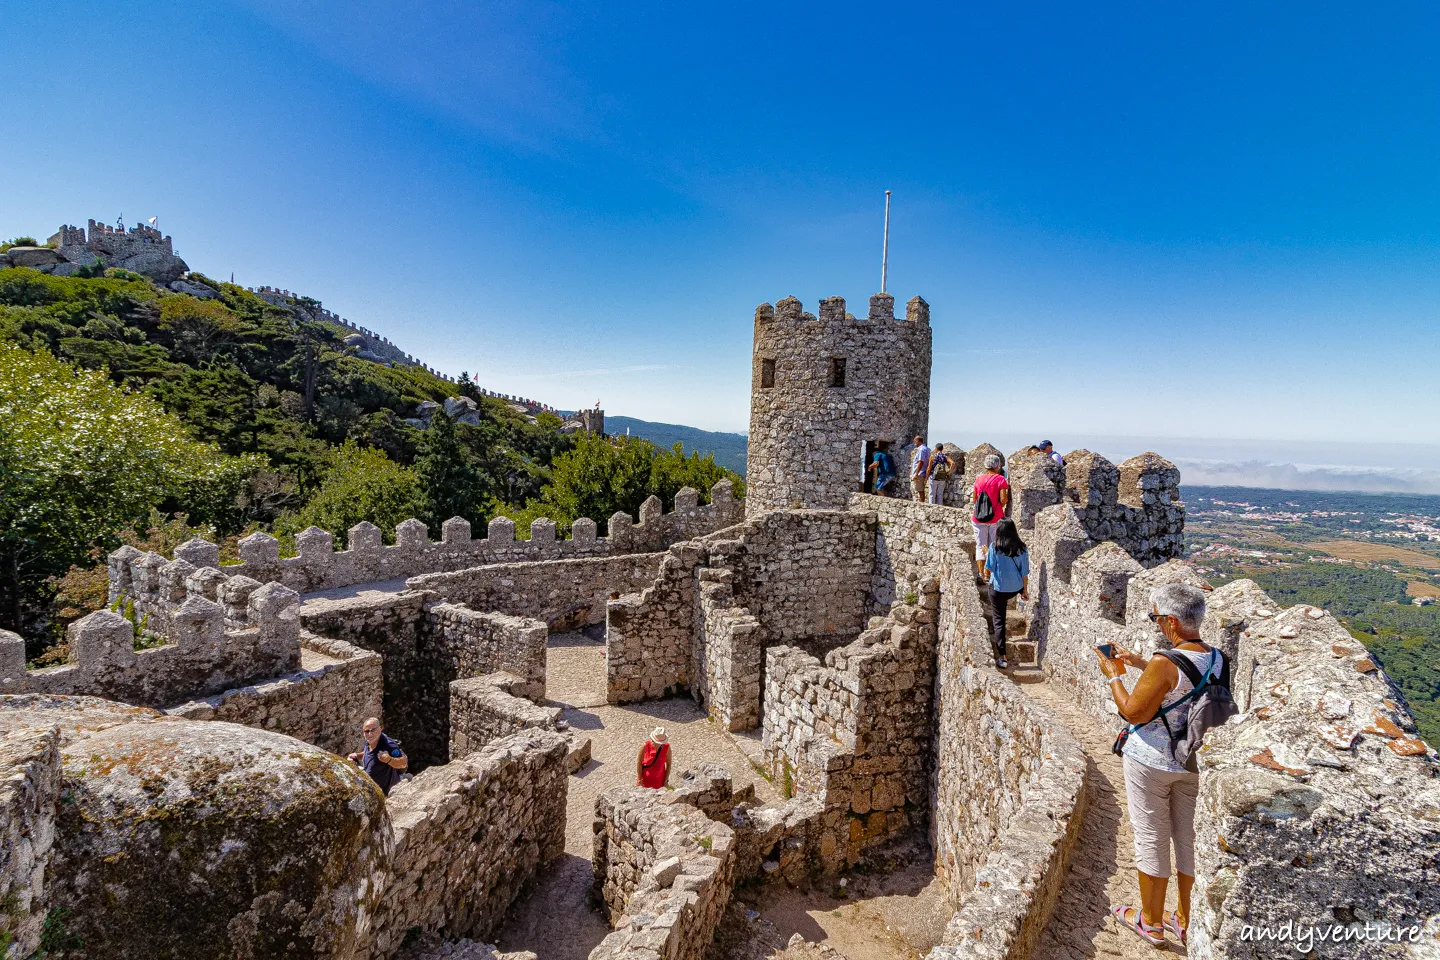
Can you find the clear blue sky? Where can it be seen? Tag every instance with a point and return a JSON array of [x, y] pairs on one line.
[[1203, 220]]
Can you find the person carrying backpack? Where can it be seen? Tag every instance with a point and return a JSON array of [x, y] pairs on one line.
[[942, 468], [990, 501], [1182, 693], [883, 469]]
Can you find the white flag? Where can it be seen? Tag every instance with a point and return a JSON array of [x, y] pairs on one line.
[[152, 220]]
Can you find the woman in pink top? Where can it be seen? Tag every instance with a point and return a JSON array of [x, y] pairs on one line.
[[990, 503]]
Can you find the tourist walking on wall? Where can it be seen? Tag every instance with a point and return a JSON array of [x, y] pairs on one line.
[[920, 469], [381, 757], [1182, 693], [942, 468], [991, 504], [1048, 448], [652, 767], [1007, 569]]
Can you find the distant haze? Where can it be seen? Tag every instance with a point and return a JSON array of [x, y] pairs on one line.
[[1280, 464], [1276, 464]]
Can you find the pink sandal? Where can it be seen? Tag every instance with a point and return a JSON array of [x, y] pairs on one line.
[[1172, 923], [1155, 936]]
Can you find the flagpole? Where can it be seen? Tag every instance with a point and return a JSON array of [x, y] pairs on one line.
[[885, 248]]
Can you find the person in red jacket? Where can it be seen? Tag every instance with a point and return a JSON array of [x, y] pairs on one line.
[[652, 767]]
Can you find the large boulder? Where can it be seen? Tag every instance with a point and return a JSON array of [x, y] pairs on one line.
[[175, 838], [155, 264], [33, 257]]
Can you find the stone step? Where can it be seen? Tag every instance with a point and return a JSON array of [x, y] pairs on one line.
[[1022, 652]]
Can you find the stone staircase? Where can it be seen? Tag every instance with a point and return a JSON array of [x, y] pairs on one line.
[[1023, 652]]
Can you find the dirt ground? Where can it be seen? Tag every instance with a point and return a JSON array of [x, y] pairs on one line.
[[888, 909], [557, 921]]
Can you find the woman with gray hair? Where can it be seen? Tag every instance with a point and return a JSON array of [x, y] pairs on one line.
[[1160, 792]]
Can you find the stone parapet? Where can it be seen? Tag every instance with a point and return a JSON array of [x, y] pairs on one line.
[[1319, 806], [665, 873], [324, 704], [319, 566], [469, 836], [204, 654]]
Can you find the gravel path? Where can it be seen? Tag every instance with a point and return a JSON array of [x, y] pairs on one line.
[[556, 919], [1102, 870]]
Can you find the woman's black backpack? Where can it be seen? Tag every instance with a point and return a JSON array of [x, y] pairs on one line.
[[1208, 705]]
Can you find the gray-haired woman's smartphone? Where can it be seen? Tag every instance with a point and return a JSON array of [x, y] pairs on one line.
[[1107, 650]]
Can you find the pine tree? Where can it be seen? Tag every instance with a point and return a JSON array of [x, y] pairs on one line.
[[452, 486]]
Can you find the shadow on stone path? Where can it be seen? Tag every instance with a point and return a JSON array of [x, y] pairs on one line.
[[1102, 868]]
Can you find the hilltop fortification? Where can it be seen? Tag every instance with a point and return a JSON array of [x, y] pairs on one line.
[[838, 640]]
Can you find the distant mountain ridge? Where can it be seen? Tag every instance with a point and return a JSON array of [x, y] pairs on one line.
[[729, 448]]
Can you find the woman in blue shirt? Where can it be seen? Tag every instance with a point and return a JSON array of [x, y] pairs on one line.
[[1007, 566]]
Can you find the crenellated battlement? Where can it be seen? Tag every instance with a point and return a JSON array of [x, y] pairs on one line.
[[240, 633], [1136, 504], [825, 391], [832, 311], [156, 585]]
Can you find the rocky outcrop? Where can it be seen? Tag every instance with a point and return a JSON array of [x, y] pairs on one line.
[[174, 838]]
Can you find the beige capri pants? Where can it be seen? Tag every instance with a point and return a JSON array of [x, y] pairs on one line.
[[1162, 809]]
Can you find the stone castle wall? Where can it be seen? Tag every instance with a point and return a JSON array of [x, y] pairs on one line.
[[1136, 505], [807, 437], [854, 731], [324, 703], [484, 709], [469, 836], [664, 871], [318, 566], [425, 645], [799, 577], [1318, 804], [1006, 785], [566, 594], [206, 652]]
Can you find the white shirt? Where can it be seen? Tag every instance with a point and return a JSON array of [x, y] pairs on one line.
[[1150, 743], [1055, 455], [921, 461]]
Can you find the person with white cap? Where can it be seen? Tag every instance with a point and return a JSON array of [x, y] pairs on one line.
[[652, 767]]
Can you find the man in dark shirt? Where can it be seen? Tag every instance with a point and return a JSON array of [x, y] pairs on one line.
[[382, 757]]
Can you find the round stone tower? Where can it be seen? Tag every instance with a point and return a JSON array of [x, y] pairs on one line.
[[826, 392]]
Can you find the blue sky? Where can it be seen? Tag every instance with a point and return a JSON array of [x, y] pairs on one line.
[[1216, 221]]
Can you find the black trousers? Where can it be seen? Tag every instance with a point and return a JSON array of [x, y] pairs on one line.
[[999, 600]]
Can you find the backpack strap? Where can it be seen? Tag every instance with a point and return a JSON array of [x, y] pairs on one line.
[[1197, 682]]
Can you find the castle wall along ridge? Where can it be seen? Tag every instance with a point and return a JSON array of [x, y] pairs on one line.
[[846, 630]]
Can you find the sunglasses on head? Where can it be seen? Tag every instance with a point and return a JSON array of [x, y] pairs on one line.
[[1155, 617]]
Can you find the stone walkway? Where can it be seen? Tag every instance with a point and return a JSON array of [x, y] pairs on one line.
[[1102, 870], [556, 920]]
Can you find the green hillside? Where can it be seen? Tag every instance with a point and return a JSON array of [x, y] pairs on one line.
[[293, 430], [728, 448]]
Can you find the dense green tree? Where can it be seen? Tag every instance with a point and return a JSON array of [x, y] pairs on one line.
[[451, 484], [605, 475], [81, 458], [362, 484]]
